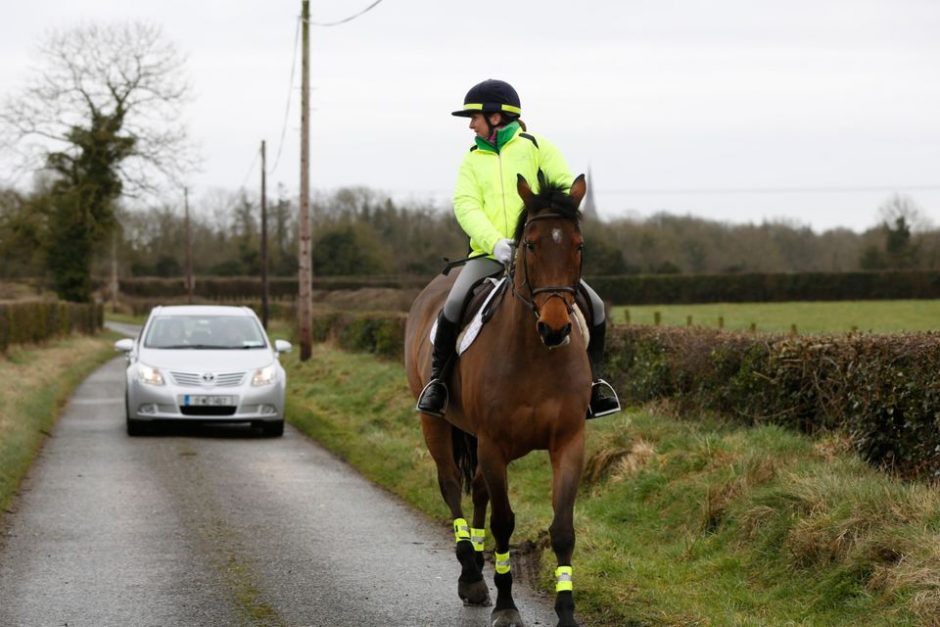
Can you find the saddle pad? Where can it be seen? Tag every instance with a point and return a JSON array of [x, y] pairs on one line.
[[472, 330]]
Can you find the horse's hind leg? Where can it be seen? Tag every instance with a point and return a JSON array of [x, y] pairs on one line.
[[439, 437], [481, 499], [502, 522], [567, 462]]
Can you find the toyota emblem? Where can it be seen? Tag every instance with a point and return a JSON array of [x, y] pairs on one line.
[[208, 377]]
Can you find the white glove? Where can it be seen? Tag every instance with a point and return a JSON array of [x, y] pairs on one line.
[[503, 251]]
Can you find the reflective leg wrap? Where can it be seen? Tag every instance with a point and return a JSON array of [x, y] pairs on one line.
[[461, 530], [563, 579], [503, 564], [478, 538]]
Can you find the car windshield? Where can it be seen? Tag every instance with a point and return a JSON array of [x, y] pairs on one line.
[[205, 332]]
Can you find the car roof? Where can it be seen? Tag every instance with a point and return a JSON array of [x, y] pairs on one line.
[[202, 310]]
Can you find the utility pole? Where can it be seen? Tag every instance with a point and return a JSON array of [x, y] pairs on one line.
[[264, 237], [115, 286], [305, 263], [189, 247]]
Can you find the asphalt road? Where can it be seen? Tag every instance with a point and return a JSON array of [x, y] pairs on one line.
[[216, 526]]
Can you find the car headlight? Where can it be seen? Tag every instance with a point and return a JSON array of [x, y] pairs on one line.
[[265, 376], [149, 375]]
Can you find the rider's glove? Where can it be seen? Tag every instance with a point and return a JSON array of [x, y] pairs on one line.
[[503, 251]]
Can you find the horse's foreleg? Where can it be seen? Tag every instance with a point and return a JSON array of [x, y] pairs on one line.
[[471, 588], [567, 463], [502, 523]]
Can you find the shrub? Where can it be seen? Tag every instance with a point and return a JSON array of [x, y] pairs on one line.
[[29, 322], [882, 390]]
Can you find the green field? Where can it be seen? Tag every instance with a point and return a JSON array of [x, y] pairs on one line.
[[876, 316]]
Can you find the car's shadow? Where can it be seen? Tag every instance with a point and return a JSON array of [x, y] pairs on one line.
[[218, 430]]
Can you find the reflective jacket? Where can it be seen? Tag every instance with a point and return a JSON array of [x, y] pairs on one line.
[[486, 202]]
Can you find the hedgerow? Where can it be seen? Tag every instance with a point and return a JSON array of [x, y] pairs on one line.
[[36, 321], [881, 390]]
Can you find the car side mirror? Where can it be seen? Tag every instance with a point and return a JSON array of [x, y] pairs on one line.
[[125, 346], [282, 346]]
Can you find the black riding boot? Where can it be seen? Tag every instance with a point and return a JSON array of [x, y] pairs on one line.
[[604, 399], [433, 399]]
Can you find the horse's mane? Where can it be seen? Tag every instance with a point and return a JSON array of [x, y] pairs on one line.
[[552, 196]]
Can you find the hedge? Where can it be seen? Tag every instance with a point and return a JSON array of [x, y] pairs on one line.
[[753, 287], [37, 321], [880, 390], [249, 288], [618, 290]]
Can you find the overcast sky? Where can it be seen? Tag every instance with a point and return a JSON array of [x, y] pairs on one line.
[[814, 111]]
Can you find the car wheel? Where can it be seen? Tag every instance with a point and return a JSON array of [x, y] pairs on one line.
[[273, 429]]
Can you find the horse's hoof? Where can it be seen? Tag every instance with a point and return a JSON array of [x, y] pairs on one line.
[[506, 618], [475, 593]]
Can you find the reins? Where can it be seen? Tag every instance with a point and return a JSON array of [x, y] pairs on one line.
[[554, 291]]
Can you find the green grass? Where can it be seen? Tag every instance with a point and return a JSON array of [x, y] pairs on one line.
[[680, 522], [39, 381], [878, 316]]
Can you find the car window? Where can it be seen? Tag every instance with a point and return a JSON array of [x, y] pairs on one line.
[[205, 332]]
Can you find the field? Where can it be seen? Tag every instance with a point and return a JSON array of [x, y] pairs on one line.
[[876, 316]]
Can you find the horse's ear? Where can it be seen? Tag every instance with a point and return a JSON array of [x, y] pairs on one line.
[[525, 192], [578, 189]]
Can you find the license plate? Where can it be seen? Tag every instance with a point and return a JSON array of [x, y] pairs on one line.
[[199, 400]]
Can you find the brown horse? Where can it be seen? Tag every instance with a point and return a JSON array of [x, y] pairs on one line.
[[523, 385]]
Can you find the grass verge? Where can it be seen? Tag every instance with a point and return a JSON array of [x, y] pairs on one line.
[[679, 522], [39, 379]]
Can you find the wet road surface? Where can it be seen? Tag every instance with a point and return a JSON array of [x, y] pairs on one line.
[[217, 526]]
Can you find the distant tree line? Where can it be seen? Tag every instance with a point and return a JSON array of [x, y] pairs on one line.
[[360, 231]]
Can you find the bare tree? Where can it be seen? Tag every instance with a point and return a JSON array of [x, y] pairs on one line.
[[128, 74], [102, 114]]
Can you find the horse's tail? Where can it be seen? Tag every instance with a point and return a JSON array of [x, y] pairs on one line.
[[465, 454]]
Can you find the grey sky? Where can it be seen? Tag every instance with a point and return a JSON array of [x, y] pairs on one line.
[[656, 97]]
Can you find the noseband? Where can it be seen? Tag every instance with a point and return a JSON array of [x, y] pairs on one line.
[[554, 291]]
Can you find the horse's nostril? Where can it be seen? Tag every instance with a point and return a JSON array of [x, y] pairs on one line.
[[551, 337]]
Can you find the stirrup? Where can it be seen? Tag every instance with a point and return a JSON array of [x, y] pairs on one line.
[[610, 397], [438, 413]]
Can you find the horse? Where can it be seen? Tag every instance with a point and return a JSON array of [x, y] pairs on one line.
[[523, 385]]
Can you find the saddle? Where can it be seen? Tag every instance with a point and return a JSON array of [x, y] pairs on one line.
[[485, 297]]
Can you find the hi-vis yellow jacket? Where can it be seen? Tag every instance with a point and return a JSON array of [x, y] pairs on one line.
[[486, 202]]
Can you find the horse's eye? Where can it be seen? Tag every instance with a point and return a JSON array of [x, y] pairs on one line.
[[530, 245]]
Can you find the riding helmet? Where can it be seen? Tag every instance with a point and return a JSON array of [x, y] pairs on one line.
[[491, 96]]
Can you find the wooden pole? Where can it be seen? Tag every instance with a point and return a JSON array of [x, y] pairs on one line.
[[305, 262], [189, 247], [115, 286], [264, 237]]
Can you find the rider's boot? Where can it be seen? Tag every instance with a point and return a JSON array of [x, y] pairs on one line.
[[434, 396], [604, 399]]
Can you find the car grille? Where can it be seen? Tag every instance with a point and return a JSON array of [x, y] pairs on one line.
[[208, 410], [194, 379]]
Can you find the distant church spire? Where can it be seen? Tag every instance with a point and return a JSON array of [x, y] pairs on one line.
[[589, 208]]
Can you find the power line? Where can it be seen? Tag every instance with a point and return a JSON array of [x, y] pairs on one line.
[[774, 190], [348, 19], [251, 169], [290, 93]]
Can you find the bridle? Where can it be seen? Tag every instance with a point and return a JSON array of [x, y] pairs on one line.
[[554, 291]]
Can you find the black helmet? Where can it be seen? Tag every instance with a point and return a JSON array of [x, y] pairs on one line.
[[491, 96]]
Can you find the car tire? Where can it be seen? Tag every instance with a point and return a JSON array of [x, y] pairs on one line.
[[272, 429]]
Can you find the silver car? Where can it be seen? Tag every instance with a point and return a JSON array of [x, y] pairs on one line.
[[202, 364]]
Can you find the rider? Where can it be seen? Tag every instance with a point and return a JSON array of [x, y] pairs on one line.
[[487, 207]]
